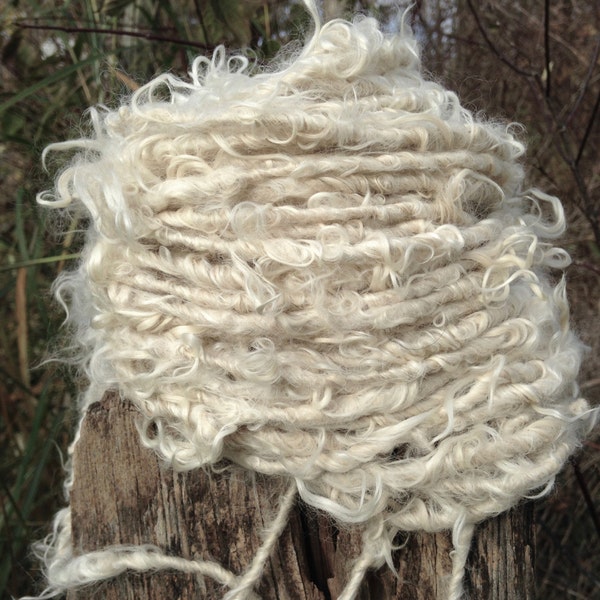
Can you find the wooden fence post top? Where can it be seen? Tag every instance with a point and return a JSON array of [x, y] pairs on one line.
[[122, 495]]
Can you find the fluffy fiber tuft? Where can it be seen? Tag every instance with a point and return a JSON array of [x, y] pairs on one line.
[[331, 274]]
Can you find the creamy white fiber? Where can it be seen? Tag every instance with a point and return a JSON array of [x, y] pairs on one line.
[[329, 273]]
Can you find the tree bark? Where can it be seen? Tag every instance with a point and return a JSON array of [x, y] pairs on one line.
[[122, 495]]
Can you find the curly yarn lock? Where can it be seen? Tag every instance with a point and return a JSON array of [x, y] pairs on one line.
[[328, 273]]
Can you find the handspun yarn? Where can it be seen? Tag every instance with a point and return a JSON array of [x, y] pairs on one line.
[[330, 273]]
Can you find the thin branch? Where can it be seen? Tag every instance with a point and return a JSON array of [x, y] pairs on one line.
[[492, 46], [542, 170], [463, 40], [586, 385], [547, 45], [588, 129], [568, 556], [563, 146], [583, 486], [123, 32], [588, 78], [586, 265], [201, 20]]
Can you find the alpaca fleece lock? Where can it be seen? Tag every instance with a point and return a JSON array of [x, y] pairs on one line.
[[329, 273]]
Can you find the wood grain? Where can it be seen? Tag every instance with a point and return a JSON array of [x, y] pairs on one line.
[[122, 494]]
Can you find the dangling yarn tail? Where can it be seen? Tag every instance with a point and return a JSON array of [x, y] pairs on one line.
[[376, 550], [101, 565], [365, 562], [246, 583], [462, 536], [74, 571]]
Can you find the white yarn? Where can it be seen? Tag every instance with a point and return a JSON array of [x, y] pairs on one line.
[[330, 274]]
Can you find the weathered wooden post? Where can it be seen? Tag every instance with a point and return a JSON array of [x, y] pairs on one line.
[[122, 495]]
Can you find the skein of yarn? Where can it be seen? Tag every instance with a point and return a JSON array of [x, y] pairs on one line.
[[330, 273]]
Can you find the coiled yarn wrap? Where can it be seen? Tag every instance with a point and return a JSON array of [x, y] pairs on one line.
[[330, 273]]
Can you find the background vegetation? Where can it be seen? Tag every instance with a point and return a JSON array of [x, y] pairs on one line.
[[531, 61]]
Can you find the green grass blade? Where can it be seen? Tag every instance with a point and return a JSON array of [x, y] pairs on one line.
[[43, 260], [44, 83]]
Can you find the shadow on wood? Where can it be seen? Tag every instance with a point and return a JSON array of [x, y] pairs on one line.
[[122, 495]]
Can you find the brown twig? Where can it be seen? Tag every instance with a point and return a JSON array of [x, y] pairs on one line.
[[588, 129], [492, 46], [586, 265], [585, 491], [22, 329], [201, 19], [123, 32], [586, 82], [591, 383], [547, 45]]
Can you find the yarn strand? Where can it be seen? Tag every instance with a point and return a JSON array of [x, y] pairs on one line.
[[250, 578], [462, 536]]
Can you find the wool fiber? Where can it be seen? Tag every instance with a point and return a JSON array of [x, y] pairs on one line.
[[331, 273]]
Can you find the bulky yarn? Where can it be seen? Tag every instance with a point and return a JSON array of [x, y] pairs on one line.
[[330, 273]]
